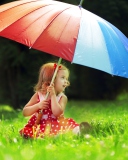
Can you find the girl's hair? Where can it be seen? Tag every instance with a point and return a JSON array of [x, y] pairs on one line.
[[45, 76]]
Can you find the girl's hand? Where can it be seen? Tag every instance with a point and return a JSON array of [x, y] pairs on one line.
[[44, 104], [51, 89]]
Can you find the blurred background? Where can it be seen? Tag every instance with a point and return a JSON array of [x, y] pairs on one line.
[[19, 65]]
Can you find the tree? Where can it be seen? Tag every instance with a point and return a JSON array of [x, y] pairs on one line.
[[19, 71]]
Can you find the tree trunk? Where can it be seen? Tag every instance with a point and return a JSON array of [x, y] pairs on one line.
[[12, 76]]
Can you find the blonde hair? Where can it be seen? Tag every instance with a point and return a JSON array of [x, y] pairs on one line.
[[45, 76]]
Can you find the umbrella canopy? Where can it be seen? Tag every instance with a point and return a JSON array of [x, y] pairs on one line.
[[66, 31]]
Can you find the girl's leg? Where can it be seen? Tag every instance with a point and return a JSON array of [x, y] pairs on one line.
[[76, 130], [83, 128]]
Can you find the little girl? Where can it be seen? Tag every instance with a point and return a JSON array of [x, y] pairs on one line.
[[52, 121]]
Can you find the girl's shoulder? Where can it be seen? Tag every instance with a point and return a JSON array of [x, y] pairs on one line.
[[61, 95]]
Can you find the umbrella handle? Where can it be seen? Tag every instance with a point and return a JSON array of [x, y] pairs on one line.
[[53, 78], [54, 75]]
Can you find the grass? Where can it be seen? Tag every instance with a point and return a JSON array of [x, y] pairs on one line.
[[107, 141]]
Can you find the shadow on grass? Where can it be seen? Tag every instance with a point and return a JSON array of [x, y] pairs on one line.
[[6, 112]]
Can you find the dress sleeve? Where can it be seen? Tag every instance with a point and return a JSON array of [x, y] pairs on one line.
[[40, 96], [59, 97]]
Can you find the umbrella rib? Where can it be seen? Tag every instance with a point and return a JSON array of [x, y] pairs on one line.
[[16, 5], [26, 14], [116, 52], [62, 32], [35, 19], [49, 25]]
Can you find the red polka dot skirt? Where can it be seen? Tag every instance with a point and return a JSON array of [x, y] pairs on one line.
[[49, 125]]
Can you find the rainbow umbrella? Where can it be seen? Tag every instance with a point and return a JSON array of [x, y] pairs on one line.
[[66, 31]]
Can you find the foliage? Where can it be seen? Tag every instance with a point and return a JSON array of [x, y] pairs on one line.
[[19, 69], [116, 12], [108, 140]]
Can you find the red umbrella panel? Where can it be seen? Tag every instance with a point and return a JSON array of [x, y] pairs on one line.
[[43, 25]]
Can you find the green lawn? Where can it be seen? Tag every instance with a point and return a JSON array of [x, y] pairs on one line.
[[107, 141]]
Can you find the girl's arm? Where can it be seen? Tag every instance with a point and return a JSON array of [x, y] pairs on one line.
[[58, 107], [34, 105]]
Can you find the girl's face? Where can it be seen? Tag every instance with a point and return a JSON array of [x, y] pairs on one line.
[[61, 81]]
